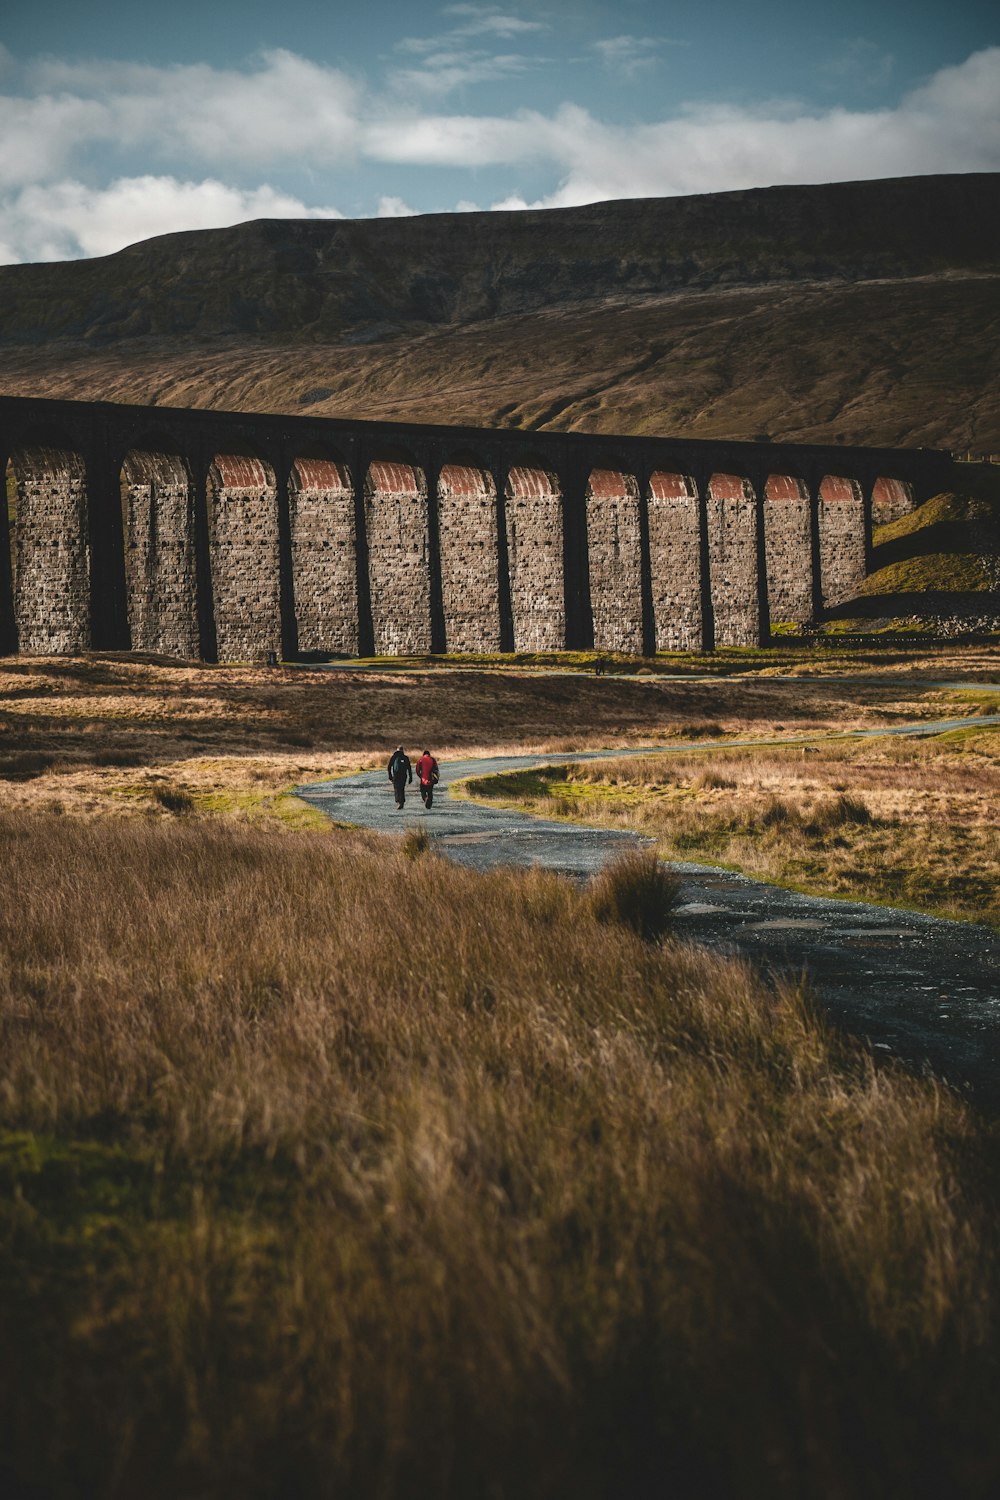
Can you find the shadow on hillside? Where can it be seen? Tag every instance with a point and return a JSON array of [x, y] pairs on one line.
[[980, 539], [930, 602]]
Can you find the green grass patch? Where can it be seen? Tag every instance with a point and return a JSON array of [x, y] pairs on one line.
[[936, 572], [227, 802]]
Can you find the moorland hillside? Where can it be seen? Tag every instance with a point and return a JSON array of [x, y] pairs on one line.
[[854, 312]]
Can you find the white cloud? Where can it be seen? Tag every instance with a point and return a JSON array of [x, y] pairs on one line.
[[41, 135], [448, 61], [461, 140], [489, 20], [67, 219], [276, 111], [441, 73], [393, 208], [626, 57], [950, 124]]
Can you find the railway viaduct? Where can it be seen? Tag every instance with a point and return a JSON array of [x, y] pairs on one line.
[[228, 535]]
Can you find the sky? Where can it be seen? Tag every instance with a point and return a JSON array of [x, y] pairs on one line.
[[124, 119]]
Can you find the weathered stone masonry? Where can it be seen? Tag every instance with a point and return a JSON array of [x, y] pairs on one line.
[[160, 568], [323, 536], [52, 551], [243, 544], [677, 562], [469, 553], [614, 551], [232, 535]]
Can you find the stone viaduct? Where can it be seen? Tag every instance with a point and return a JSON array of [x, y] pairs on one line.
[[228, 535]]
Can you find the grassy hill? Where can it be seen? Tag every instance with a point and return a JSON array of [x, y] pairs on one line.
[[855, 312], [939, 564]]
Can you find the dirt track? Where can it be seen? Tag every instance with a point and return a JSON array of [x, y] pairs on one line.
[[920, 988]]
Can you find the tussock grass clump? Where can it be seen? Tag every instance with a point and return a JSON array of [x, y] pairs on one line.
[[712, 781], [838, 812], [173, 798], [416, 843], [324, 1172], [636, 891]]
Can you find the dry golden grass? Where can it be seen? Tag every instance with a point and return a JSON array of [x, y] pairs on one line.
[[333, 1171], [109, 734], [911, 822]]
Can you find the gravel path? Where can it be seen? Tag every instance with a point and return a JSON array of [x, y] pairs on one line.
[[923, 989]]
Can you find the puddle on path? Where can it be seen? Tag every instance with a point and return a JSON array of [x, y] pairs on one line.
[[778, 924]]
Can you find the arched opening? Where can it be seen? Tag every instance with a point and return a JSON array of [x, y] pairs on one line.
[[677, 564], [468, 547], [158, 534], [737, 576], [50, 549], [535, 551], [614, 551], [244, 556], [399, 565], [324, 556], [788, 538], [842, 540], [891, 500]]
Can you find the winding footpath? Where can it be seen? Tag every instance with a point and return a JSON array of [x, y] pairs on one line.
[[921, 988]]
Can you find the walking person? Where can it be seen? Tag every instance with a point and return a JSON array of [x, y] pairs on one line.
[[429, 776], [400, 771]]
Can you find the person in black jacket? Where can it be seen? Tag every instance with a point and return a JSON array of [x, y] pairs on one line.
[[400, 771]]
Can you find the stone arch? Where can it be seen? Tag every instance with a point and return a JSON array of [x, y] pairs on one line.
[[842, 538], [158, 533], [788, 538], [397, 528], [614, 551], [734, 551], [891, 500], [49, 548], [323, 538], [468, 550], [533, 508], [676, 562], [244, 555]]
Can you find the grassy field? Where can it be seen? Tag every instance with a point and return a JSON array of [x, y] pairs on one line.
[[908, 822], [114, 735], [330, 1171], [329, 1168]]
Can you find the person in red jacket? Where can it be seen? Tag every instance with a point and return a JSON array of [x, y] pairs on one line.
[[427, 770]]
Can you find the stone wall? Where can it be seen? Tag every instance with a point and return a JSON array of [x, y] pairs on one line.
[[675, 562], [534, 512], [323, 532], [158, 530], [244, 557], [841, 539], [789, 546], [51, 552], [614, 548], [396, 525], [470, 566], [732, 561]]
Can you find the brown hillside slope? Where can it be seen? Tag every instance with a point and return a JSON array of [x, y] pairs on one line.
[[859, 312]]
